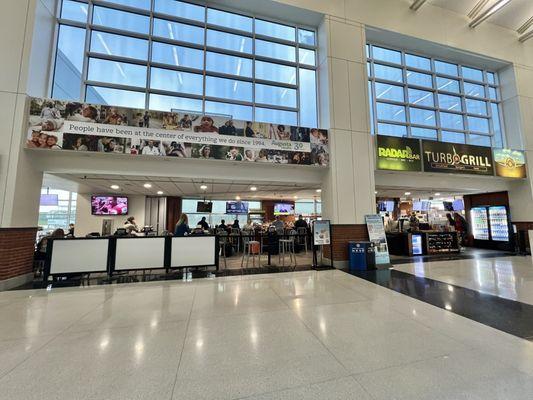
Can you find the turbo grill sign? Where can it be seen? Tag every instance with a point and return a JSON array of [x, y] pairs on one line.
[[457, 158]]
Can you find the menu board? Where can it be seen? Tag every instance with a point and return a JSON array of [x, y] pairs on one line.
[[376, 234], [499, 224], [442, 242], [480, 223], [321, 233], [457, 158]]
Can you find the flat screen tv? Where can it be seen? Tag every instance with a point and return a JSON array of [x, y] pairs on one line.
[[417, 206], [204, 207], [458, 205], [389, 206], [236, 207], [448, 205], [49, 200], [283, 209], [109, 205]]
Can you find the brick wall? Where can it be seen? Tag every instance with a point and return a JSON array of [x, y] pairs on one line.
[[16, 251], [340, 236]]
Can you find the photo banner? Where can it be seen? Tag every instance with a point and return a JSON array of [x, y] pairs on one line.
[[76, 126]]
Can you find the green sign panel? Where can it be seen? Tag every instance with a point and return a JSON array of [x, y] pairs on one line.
[[398, 154]]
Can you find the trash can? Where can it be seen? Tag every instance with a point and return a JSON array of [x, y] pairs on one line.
[[362, 256]]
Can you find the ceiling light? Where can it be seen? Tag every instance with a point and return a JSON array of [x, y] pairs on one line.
[[159, 192], [253, 189], [417, 4], [295, 197], [203, 187], [525, 37], [115, 187], [147, 185], [375, 192], [528, 24], [237, 197], [319, 190], [407, 193], [487, 13], [437, 194]]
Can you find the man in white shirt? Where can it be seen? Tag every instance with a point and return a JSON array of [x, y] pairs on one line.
[[151, 150]]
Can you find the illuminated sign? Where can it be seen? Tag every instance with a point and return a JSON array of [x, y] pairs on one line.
[[457, 158], [398, 154], [510, 163]]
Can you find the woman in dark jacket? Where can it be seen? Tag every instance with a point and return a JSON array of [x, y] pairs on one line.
[[182, 227]]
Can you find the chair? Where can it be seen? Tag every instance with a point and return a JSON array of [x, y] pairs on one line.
[[286, 246], [253, 248], [223, 241], [302, 234]]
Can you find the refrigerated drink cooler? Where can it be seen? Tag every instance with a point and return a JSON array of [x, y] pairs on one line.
[[491, 227]]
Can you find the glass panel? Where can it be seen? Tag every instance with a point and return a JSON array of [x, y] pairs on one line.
[[476, 107], [371, 107], [225, 64], [228, 89], [389, 92], [368, 69], [420, 116], [276, 116], [479, 140], [143, 4], [275, 30], [229, 20], [418, 62], [491, 78], [446, 68], [275, 72], [69, 63], [176, 31], [176, 81], [180, 9], [498, 134], [493, 93], [452, 103], [306, 37], [229, 41], [234, 110], [115, 97], [121, 20], [306, 56], [392, 130], [383, 54], [274, 95], [421, 97], [447, 84], [308, 98], [424, 133], [419, 79], [471, 89], [390, 112], [451, 121], [178, 56], [275, 50], [478, 124], [472, 74], [452, 137], [74, 11], [166, 103], [117, 72], [388, 73], [117, 45]]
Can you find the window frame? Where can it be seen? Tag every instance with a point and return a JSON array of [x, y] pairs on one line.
[[153, 15]]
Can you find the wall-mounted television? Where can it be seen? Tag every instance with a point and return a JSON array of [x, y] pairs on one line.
[[236, 207], [417, 206], [109, 205], [448, 205], [49, 200], [283, 209], [204, 207], [458, 205]]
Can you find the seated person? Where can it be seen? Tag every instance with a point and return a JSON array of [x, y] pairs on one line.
[[203, 224]]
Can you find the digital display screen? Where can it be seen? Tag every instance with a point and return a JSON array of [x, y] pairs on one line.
[[204, 207], [417, 206], [283, 209], [49, 200], [109, 205], [236, 207], [448, 205], [458, 205]]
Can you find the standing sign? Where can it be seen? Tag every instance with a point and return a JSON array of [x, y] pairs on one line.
[[321, 233], [510, 163], [398, 154], [457, 158], [376, 234]]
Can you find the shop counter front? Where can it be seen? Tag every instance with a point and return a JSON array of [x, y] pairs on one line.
[[423, 243]]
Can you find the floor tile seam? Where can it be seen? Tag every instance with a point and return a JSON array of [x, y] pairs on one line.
[[182, 347], [239, 314], [123, 327]]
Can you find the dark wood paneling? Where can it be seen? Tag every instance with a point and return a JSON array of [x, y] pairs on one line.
[[173, 212], [340, 236]]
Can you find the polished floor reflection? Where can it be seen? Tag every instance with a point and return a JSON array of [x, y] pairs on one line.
[[302, 335]]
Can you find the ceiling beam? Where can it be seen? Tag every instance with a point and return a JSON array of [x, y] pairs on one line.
[[488, 12], [526, 36], [528, 24], [477, 8], [417, 4]]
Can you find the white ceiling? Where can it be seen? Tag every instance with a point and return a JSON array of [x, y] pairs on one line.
[[184, 187], [511, 16], [420, 193]]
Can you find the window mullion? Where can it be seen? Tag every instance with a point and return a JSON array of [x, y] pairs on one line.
[[87, 44], [406, 96], [204, 80]]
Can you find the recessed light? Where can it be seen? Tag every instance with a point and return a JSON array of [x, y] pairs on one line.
[[115, 187], [147, 185], [437, 194], [159, 192], [375, 192], [295, 197], [319, 190], [203, 187], [237, 197], [253, 189], [408, 193]]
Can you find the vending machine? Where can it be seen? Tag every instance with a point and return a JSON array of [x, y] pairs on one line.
[[491, 227]]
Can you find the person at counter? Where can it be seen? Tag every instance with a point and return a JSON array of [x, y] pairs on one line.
[[40, 251], [222, 226], [70, 232], [278, 224], [236, 224], [461, 226], [182, 226], [249, 226], [414, 223], [203, 223], [131, 226], [300, 223]]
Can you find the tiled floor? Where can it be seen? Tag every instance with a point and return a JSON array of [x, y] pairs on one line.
[[507, 277], [302, 335]]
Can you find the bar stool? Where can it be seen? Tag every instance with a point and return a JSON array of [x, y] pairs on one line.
[[223, 241], [303, 233], [286, 246], [253, 248]]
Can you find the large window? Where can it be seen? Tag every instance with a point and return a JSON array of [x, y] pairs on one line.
[[57, 209], [430, 98], [164, 54], [219, 212]]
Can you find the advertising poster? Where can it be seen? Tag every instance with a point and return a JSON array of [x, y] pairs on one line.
[[457, 158], [376, 234], [75, 126], [321, 233], [510, 163], [398, 154]]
